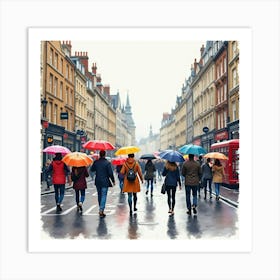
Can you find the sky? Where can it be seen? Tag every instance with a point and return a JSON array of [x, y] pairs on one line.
[[150, 72]]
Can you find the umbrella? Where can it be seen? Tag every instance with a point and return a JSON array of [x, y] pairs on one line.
[[77, 159], [95, 156], [56, 149], [98, 145], [127, 150], [192, 149], [148, 156], [216, 155], [172, 156], [118, 161]]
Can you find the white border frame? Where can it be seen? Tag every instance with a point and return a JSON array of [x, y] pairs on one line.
[[243, 35]]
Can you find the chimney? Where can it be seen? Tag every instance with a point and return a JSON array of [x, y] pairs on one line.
[[202, 50], [195, 65], [94, 68], [83, 56], [107, 89], [68, 46]]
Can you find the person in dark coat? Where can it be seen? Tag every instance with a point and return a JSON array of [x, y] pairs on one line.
[[172, 179], [78, 176], [59, 171], [150, 170], [207, 177], [191, 170], [103, 174]]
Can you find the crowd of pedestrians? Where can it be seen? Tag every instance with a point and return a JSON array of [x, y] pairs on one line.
[[196, 175]]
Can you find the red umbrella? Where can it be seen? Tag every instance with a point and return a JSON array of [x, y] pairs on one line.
[[98, 145], [118, 161]]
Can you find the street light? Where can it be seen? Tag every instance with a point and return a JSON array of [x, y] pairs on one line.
[[45, 125]]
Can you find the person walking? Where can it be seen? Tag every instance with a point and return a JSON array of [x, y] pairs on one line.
[[172, 179], [47, 176], [59, 171], [191, 170], [78, 176], [200, 186], [120, 177], [131, 183], [207, 177], [218, 175], [103, 174], [150, 170]]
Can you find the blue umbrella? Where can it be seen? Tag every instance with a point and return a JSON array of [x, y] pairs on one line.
[[172, 156], [192, 149]]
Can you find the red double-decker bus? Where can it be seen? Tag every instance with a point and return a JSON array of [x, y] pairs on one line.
[[231, 149]]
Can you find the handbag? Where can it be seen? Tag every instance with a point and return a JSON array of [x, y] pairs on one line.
[[163, 188]]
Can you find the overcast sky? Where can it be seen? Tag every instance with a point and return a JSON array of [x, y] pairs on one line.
[[151, 72]]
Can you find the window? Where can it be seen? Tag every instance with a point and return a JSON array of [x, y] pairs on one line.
[[225, 118], [225, 92], [56, 60], [55, 114], [225, 64], [51, 56], [66, 95], [51, 83], [234, 48], [61, 65], [61, 90], [55, 86], [234, 117], [234, 77], [67, 71]]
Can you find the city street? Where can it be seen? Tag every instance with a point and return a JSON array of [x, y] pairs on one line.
[[215, 219]]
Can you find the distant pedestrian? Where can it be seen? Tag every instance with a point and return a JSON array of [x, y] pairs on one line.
[[46, 175], [172, 180], [120, 177], [150, 170], [78, 176], [191, 170], [207, 177], [200, 161], [132, 187], [103, 174], [218, 175], [159, 167], [59, 171]]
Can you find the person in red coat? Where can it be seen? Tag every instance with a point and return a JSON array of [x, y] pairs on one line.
[[78, 176], [59, 171]]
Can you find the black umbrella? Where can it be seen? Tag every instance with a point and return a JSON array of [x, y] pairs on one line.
[[148, 156]]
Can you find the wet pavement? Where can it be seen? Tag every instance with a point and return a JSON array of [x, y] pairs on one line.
[[215, 219]]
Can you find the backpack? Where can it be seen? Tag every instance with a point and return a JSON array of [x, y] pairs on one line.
[[131, 175]]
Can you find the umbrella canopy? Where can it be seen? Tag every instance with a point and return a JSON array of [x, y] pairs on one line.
[[192, 149], [118, 161], [56, 149], [77, 159], [172, 156], [98, 145], [148, 156], [127, 150], [216, 155]]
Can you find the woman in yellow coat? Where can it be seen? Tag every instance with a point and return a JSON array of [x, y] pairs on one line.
[[218, 175], [132, 187]]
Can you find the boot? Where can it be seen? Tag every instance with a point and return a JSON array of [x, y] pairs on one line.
[[130, 208], [134, 202]]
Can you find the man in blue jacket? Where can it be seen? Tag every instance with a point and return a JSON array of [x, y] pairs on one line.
[[103, 174]]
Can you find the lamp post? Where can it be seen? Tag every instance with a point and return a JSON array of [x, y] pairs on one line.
[[205, 130]]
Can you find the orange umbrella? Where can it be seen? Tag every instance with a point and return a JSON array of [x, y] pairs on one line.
[[216, 155], [77, 159]]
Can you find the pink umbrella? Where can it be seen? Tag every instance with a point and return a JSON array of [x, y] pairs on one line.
[[56, 149], [98, 145]]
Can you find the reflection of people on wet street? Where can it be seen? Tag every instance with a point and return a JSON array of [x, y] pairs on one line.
[[172, 179], [103, 175], [46, 175], [192, 172], [131, 187], [120, 177]]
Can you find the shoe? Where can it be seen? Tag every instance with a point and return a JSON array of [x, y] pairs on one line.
[[189, 212], [204, 197], [102, 214], [130, 212], [80, 206], [171, 214], [58, 207], [147, 192], [135, 209], [194, 210], [151, 194], [170, 211], [211, 197]]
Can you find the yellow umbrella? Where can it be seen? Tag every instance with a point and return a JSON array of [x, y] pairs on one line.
[[127, 150], [77, 159], [215, 155], [186, 156]]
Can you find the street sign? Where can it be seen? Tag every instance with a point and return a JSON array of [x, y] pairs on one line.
[[64, 116], [205, 129]]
